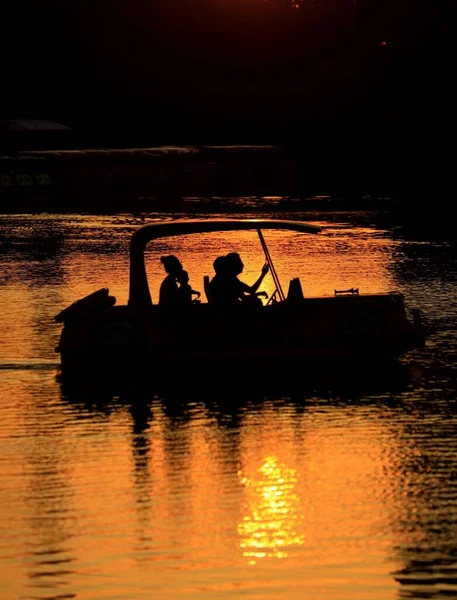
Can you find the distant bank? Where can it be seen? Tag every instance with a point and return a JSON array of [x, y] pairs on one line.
[[169, 178]]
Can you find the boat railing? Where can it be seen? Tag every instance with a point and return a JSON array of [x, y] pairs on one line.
[[350, 292]]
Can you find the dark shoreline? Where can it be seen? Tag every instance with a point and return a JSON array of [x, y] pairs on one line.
[[225, 178]]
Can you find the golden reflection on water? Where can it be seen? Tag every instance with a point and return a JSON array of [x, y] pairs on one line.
[[132, 502], [272, 525], [309, 499]]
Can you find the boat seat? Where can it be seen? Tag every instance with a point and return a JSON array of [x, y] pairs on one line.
[[207, 289], [295, 293]]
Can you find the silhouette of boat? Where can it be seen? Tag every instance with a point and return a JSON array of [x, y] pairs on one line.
[[289, 331]]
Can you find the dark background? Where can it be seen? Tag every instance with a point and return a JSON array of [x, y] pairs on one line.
[[358, 88]]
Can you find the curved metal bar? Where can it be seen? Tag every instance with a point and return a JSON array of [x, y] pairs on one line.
[[271, 265]]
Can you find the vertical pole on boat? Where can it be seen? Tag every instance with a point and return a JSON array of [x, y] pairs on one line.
[[270, 264]]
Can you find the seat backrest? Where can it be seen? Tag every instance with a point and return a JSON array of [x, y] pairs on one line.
[[207, 289], [295, 293]]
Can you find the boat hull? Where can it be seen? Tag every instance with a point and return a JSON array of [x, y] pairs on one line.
[[118, 342]]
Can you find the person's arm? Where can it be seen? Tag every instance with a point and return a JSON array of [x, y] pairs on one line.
[[253, 288]]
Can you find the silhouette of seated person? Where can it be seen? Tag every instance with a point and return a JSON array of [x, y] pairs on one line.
[[169, 293], [185, 291], [227, 290]]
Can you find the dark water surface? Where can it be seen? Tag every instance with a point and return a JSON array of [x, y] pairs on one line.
[[333, 493]]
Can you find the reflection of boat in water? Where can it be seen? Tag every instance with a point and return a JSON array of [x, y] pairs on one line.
[[99, 336], [304, 384]]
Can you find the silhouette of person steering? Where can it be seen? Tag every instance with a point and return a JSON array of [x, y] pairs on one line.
[[226, 288]]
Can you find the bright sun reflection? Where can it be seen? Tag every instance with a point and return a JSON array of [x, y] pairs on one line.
[[272, 524]]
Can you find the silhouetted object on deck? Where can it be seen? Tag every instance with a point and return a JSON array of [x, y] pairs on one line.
[[226, 289]]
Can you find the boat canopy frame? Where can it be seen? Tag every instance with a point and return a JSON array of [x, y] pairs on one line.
[[139, 292]]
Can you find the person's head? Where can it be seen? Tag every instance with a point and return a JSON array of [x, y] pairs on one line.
[[234, 263], [171, 264], [182, 277], [219, 265]]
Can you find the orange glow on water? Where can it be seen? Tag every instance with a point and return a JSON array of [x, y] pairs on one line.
[[271, 527], [306, 499], [328, 497]]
